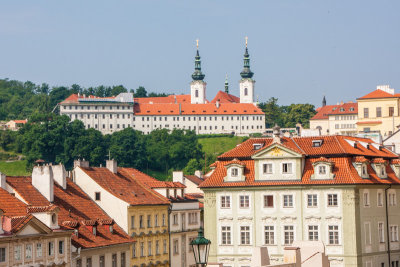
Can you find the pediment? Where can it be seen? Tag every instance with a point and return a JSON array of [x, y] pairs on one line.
[[276, 151], [34, 227]]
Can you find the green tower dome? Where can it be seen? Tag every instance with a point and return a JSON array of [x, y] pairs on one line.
[[197, 74], [246, 72]]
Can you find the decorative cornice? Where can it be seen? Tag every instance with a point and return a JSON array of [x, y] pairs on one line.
[[225, 218], [333, 217], [245, 218], [265, 218]]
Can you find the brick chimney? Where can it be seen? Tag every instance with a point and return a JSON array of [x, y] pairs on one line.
[[60, 175], [43, 181], [112, 165], [276, 134]]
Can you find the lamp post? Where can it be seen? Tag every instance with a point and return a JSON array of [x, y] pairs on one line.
[[201, 246]]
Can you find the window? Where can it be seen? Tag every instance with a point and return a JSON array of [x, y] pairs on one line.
[[332, 200], [391, 111], [101, 261], [245, 235], [175, 219], [165, 246], [38, 250], [225, 202], [286, 167], [193, 218], [312, 200], [366, 199], [288, 233], [163, 220], [269, 234], [267, 168], [148, 220], [322, 169], [226, 235], [176, 247], [196, 93], [28, 251], [141, 221], [392, 199], [60, 247], [149, 249], [94, 230], [288, 201], [114, 260], [156, 220], [380, 199], [88, 262], [244, 202], [97, 196], [2, 254], [313, 232], [78, 263], [234, 172], [157, 247], [367, 232], [333, 233], [245, 91], [17, 252], [381, 232], [366, 113], [393, 230], [141, 249], [378, 112], [134, 250], [268, 201], [51, 248], [132, 222], [364, 170]]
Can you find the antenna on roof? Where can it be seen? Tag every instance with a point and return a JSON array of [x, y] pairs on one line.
[[109, 155]]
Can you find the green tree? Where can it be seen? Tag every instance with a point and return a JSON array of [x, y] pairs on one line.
[[116, 90], [298, 113], [273, 113], [141, 92]]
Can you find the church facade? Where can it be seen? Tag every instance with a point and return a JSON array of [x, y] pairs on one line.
[[225, 114]]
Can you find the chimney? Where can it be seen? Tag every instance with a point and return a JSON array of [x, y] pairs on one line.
[[112, 165], [276, 134], [180, 109], [43, 181], [199, 174], [2, 180], [177, 176], [1, 220], [81, 163], [60, 175], [355, 144], [217, 103]]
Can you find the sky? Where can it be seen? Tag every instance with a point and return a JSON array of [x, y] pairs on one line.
[[300, 50]]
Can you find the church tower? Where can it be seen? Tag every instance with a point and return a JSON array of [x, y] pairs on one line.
[[197, 86], [246, 84]]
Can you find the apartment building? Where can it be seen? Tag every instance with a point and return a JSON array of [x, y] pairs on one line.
[[340, 190]]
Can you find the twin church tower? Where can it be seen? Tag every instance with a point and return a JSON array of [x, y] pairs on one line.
[[198, 85]]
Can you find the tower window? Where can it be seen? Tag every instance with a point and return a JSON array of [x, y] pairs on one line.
[[196, 93], [245, 91]]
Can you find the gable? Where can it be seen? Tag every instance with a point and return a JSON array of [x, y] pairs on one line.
[[276, 151], [32, 227]]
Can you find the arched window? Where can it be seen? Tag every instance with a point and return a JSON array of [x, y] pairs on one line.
[[196, 93], [245, 91]]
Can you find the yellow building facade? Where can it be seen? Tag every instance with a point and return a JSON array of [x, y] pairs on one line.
[[378, 111], [148, 225]]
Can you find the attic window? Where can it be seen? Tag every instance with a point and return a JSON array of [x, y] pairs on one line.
[[257, 146], [97, 196], [111, 229], [317, 143], [54, 218], [94, 230], [341, 109], [333, 109], [76, 232], [351, 109]]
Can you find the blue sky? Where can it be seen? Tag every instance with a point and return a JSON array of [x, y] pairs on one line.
[[300, 50]]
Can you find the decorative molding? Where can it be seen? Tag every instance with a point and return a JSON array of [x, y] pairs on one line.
[[244, 259], [245, 218], [333, 217], [225, 218], [336, 260], [288, 218], [313, 217], [265, 218], [226, 259]]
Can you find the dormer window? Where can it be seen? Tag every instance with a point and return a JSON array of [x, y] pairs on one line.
[[234, 172], [94, 230], [323, 169], [364, 170], [341, 109], [379, 166], [351, 109], [257, 146], [76, 232], [97, 196], [361, 164], [317, 143], [54, 218], [111, 228], [286, 168], [267, 168]]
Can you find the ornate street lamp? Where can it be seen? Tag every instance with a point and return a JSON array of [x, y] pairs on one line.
[[201, 246]]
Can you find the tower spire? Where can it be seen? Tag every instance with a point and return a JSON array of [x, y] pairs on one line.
[[197, 74], [246, 72], [324, 102], [226, 84]]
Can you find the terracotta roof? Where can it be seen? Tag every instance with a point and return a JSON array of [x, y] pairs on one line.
[[193, 178], [197, 109], [225, 98], [74, 98], [20, 121], [124, 187], [76, 208], [379, 94], [12, 224], [323, 159], [10, 205], [37, 209], [379, 160], [164, 99], [339, 149], [395, 161], [148, 180], [235, 161], [345, 108]]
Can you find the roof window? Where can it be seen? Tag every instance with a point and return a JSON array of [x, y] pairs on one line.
[[317, 143], [257, 146], [351, 109], [341, 109]]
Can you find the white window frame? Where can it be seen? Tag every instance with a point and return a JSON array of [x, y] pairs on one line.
[[227, 238], [247, 235], [338, 235], [366, 199], [265, 197], [314, 232], [290, 197], [367, 233], [381, 232], [289, 168], [271, 234], [394, 233], [379, 199], [226, 201], [328, 200], [234, 172], [284, 231], [314, 200], [267, 168], [322, 169], [244, 206]]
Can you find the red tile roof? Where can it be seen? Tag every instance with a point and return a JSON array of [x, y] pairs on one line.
[[336, 149], [324, 112], [223, 97], [196, 180], [164, 99], [10, 205], [379, 94], [360, 159], [76, 209], [197, 109], [124, 187], [148, 180]]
